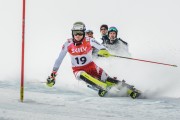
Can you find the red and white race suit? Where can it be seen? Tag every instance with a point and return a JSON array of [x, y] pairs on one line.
[[81, 58]]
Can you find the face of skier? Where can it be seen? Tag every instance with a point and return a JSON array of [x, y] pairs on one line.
[[78, 35], [112, 35], [103, 31]]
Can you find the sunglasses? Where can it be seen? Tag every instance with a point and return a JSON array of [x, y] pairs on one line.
[[103, 29], [89, 33], [80, 33]]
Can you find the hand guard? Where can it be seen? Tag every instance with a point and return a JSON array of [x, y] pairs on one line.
[[104, 53], [51, 79]]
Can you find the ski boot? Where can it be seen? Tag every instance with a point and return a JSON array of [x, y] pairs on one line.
[[110, 82], [95, 84], [132, 92], [102, 93]]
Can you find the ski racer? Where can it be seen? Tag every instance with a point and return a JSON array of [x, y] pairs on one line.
[[80, 49], [114, 44]]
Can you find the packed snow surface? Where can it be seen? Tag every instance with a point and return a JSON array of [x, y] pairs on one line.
[[151, 29]]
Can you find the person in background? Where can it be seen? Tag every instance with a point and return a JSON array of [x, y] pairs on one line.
[[114, 44], [89, 33], [104, 32]]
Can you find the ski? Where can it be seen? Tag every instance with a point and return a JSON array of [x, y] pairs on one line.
[[131, 90]]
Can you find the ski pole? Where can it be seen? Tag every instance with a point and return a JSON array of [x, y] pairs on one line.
[[36, 82], [144, 60]]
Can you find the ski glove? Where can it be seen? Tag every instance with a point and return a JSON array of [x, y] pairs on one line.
[[104, 53], [51, 79]]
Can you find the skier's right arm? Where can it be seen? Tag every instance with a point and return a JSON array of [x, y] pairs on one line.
[[102, 49], [60, 58], [51, 78]]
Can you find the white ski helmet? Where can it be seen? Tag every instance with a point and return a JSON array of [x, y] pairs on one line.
[[79, 26]]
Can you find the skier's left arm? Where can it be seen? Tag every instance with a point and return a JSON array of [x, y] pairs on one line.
[[102, 49]]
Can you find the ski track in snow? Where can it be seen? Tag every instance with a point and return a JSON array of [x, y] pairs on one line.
[[58, 104]]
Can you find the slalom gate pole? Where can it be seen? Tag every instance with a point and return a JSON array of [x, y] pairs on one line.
[[22, 60], [144, 60]]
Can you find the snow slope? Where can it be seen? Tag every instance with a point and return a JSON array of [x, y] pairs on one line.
[[42, 103]]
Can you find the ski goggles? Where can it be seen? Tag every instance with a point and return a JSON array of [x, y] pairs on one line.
[[112, 29], [78, 33]]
